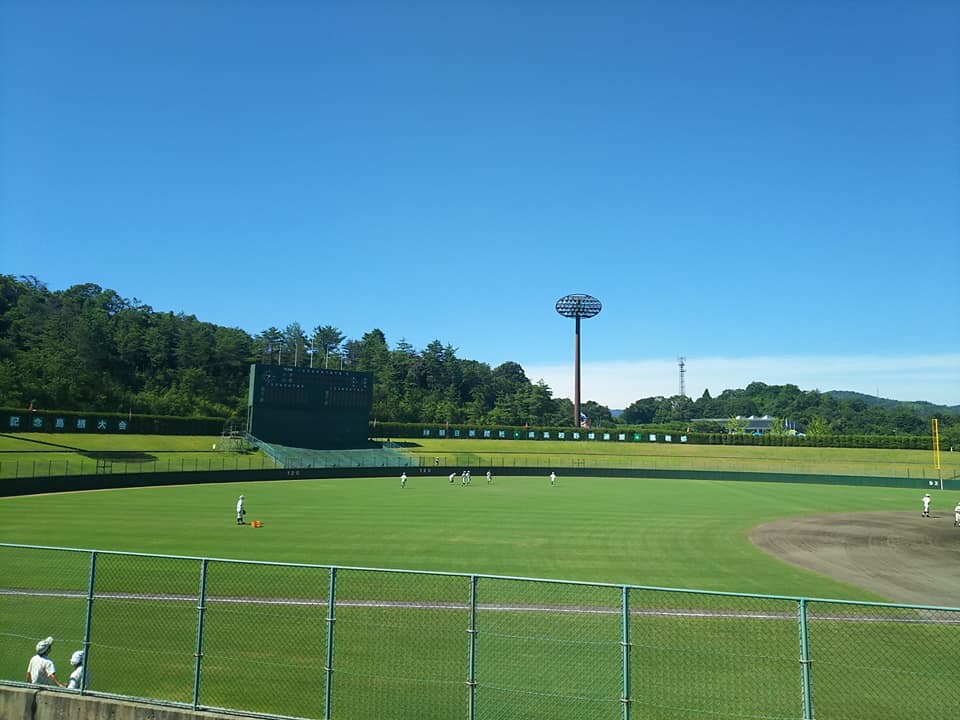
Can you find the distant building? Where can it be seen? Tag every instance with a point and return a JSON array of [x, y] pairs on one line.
[[755, 425]]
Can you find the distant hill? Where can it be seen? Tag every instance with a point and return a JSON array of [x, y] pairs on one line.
[[918, 407]]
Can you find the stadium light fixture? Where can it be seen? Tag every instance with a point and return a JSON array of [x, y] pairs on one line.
[[577, 306]]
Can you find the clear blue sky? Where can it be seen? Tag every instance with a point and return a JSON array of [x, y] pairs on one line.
[[770, 189]]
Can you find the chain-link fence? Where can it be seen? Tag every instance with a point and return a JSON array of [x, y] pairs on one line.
[[303, 641]]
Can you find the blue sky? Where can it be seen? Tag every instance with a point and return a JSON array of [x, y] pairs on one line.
[[769, 189]]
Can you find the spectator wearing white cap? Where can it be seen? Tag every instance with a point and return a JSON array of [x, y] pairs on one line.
[[240, 511], [41, 670], [76, 677]]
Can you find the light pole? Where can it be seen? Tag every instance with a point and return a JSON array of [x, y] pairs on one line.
[[577, 306]]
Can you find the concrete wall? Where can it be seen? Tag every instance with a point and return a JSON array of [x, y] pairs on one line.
[[26, 703]]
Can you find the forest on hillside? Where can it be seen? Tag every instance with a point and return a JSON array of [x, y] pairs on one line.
[[87, 348]]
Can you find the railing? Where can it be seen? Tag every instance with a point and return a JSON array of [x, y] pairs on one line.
[[311, 641], [71, 464]]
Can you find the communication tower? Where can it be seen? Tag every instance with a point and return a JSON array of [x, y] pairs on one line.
[[682, 362]]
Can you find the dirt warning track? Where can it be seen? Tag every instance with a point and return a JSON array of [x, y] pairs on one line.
[[898, 555]]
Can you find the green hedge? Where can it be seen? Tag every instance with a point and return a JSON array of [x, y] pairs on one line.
[[391, 430]]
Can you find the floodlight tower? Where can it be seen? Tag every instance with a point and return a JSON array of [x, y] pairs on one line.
[[577, 306]]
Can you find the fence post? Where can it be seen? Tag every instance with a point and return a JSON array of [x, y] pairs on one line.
[[89, 620], [806, 671], [626, 646], [200, 616], [472, 652], [331, 621]]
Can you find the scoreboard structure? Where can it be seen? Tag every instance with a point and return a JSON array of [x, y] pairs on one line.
[[309, 408]]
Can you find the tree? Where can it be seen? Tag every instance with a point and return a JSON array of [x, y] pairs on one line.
[[86, 348], [508, 378], [641, 412], [295, 344], [268, 345], [326, 343], [439, 366], [737, 425], [778, 428], [818, 427]]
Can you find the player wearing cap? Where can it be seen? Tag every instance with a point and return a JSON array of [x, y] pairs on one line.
[[76, 677], [41, 670], [926, 506], [240, 511]]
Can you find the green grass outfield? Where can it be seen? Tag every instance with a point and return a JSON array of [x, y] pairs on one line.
[[666, 533], [677, 533], [394, 662], [673, 533]]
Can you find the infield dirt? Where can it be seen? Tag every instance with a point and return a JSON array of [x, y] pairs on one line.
[[897, 555]]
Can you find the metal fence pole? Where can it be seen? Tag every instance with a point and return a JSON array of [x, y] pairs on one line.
[[626, 700], [89, 620], [806, 671], [200, 616], [472, 652], [331, 622]]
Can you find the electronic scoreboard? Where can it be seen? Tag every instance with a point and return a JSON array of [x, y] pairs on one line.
[[309, 408]]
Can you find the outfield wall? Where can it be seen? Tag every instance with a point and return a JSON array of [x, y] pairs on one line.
[[71, 483], [32, 704]]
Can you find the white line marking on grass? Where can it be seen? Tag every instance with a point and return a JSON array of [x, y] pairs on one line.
[[485, 607]]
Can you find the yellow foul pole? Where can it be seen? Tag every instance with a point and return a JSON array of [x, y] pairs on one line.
[[936, 449]]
